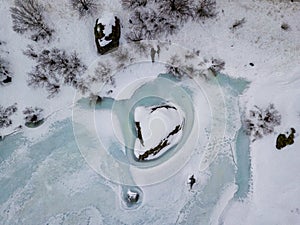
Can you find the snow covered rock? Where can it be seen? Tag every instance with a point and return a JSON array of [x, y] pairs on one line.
[[132, 196], [158, 129], [107, 33], [33, 117]]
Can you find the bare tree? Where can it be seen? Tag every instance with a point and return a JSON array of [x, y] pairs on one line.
[[262, 121], [174, 67], [28, 16], [54, 68], [147, 24], [53, 89], [82, 85], [217, 65], [5, 74], [132, 4], [141, 48], [33, 114], [153, 18], [37, 79], [178, 10], [5, 114], [103, 74], [204, 9], [85, 7], [4, 68]]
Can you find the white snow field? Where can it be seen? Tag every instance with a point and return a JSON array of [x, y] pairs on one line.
[[82, 166]]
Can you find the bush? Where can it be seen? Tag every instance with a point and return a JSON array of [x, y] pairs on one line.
[[5, 114], [179, 10], [174, 67], [85, 7], [262, 121], [33, 115], [204, 9], [28, 16], [151, 19], [55, 68], [132, 4], [103, 73], [5, 74], [146, 24], [217, 66]]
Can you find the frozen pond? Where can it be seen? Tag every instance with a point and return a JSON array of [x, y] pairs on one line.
[[53, 181]]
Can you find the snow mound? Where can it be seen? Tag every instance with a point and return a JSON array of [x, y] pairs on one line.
[[158, 129]]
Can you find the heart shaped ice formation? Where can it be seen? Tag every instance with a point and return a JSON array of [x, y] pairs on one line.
[[158, 129]]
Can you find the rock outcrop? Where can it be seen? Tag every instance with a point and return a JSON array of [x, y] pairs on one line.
[[106, 43]]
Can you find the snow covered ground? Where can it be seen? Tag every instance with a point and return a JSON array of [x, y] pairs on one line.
[[44, 179]]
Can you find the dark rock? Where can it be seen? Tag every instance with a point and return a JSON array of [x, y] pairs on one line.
[[7, 80], [98, 100], [285, 26], [34, 118], [113, 37], [132, 196], [139, 132], [162, 106], [283, 140]]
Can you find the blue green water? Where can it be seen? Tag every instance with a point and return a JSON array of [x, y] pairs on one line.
[[242, 141], [50, 180], [243, 174], [156, 92]]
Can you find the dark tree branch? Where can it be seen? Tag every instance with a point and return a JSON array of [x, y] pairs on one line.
[[28, 16]]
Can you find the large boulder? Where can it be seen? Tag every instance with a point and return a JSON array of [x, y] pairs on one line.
[[158, 129], [107, 33]]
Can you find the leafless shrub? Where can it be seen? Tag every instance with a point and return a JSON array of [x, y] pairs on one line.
[[5, 73], [141, 48], [82, 86], [178, 10], [237, 24], [152, 19], [132, 4], [146, 24], [4, 68], [33, 114], [122, 56], [262, 121], [204, 9], [174, 67], [53, 89], [5, 114], [217, 65], [54, 68], [103, 73], [85, 7], [28, 16]]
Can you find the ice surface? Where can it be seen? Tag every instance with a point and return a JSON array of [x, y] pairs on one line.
[[44, 178]]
